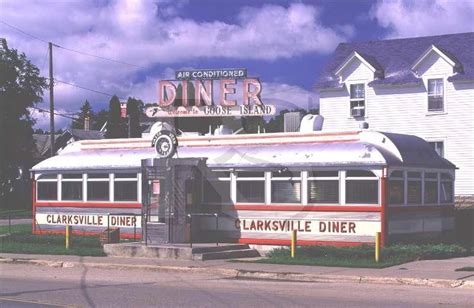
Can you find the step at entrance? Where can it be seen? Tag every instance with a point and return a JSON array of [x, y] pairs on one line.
[[199, 252]]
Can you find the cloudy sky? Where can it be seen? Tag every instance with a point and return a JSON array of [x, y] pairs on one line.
[[284, 43]]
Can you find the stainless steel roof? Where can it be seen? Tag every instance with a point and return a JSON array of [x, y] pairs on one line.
[[373, 149]]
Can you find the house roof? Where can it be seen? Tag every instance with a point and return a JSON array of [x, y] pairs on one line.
[[397, 57], [80, 134]]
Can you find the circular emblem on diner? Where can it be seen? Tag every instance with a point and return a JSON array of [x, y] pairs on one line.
[[165, 143]]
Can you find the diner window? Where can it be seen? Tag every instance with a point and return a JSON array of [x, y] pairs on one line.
[[323, 187], [361, 187], [47, 187], [414, 188], [438, 146], [435, 94], [125, 187], [286, 187], [216, 188], [357, 100], [431, 188], [71, 187], [446, 188], [396, 188], [98, 187], [250, 187]]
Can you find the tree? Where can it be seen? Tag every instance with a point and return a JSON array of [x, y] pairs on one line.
[[115, 124], [99, 119], [86, 111], [133, 112], [21, 88]]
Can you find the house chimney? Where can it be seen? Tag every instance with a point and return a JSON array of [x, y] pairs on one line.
[[86, 122]]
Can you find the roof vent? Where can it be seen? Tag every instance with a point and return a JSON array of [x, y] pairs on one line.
[[223, 130], [311, 123], [364, 125]]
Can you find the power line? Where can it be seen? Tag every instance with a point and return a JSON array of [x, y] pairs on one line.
[[99, 57], [25, 33], [88, 89], [72, 50], [56, 113]]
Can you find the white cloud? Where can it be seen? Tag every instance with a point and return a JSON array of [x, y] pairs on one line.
[[149, 33], [404, 18]]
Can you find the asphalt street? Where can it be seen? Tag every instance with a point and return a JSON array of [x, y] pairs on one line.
[[39, 286]]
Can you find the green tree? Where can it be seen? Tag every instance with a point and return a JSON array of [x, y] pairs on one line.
[[21, 88], [99, 119], [115, 123], [86, 111], [133, 112]]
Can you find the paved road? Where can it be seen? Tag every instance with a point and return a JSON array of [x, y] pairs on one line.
[[38, 286]]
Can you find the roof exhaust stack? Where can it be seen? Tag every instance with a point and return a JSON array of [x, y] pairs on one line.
[[364, 125], [311, 123]]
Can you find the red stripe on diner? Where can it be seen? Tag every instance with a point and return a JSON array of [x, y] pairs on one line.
[[299, 242], [127, 235], [307, 208], [423, 208], [88, 204], [268, 136], [272, 143]]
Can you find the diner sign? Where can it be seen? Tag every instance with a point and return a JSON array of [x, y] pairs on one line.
[[91, 220], [193, 94]]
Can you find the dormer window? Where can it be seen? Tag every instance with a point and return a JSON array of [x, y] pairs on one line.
[[435, 94], [357, 100]]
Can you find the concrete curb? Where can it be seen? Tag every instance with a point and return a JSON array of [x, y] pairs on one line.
[[258, 275]]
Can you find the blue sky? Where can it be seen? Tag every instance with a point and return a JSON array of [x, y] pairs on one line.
[[285, 43]]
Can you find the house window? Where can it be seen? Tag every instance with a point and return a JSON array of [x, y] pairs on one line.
[[286, 187], [357, 100], [362, 187], [98, 187], [438, 146], [216, 188], [126, 187], [435, 95], [250, 187], [323, 187]]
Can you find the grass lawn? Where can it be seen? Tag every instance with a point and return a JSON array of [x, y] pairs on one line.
[[5, 214], [363, 256], [22, 241]]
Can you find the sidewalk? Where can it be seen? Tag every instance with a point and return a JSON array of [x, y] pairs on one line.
[[436, 273]]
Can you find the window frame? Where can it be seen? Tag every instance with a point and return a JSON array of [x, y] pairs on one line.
[[72, 180], [434, 78], [336, 178], [263, 178], [358, 100], [375, 177], [115, 179], [55, 180], [298, 179]]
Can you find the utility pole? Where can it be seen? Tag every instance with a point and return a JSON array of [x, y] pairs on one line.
[[51, 98]]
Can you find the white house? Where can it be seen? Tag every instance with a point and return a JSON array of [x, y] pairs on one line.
[[421, 86]]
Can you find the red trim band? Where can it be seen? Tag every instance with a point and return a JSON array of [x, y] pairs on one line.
[[88, 204], [307, 208], [299, 242]]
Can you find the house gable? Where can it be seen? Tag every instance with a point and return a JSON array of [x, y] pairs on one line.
[[356, 67], [434, 62]]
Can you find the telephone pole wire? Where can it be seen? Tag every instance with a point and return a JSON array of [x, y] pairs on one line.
[[51, 98]]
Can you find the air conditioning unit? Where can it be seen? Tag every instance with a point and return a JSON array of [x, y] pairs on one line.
[[357, 111]]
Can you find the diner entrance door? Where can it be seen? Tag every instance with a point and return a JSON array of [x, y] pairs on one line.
[[173, 193]]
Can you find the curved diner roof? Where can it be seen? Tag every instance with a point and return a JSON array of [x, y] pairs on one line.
[[318, 149]]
